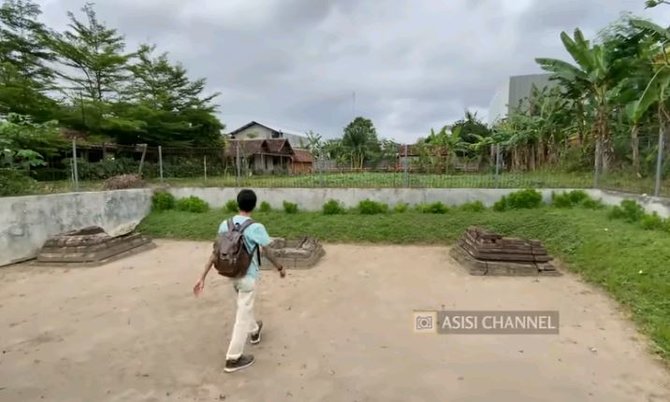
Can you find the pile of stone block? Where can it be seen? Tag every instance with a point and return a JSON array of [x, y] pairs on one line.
[[90, 246], [302, 253], [488, 253]]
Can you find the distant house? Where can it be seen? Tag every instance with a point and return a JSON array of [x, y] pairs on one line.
[[268, 156], [257, 131]]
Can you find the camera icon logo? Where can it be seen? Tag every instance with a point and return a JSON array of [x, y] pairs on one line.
[[425, 322]]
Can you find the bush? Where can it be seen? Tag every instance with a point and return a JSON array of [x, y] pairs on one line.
[[369, 207], [192, 204], [652, 222], [231, 206], [569, 199], [522, 199], [434, 208], [590, 203], [123, 181], [290, 208], [265, 207], [162, 201], [474, 206], [13, 182], [333, 207], [401, 208], [629, 210]]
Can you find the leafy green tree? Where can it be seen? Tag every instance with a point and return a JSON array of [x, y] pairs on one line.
[[25, 74], [360, 141]]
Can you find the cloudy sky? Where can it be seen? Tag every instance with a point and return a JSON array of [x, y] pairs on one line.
[[412, 64]]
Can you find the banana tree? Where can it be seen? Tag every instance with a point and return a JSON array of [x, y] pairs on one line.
[[591, 74]]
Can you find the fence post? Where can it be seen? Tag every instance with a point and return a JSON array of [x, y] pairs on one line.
[[497, 177], [406, 167], [204, 163], [237, 162], [160, 161], [74, 164], [659, 159], [144, 153]]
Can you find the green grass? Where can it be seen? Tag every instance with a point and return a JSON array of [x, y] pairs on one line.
[[539, 179], [623, 258]]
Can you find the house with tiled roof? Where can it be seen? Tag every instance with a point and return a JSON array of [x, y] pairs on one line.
[[268, 156]]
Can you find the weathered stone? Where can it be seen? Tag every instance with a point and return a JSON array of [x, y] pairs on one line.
[[297, 254], [90, 246]]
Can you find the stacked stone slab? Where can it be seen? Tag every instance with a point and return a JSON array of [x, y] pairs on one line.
[[301, 254], [488, 253], [89, 247]]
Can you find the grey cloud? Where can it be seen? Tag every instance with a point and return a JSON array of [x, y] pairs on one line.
[[413, 65]]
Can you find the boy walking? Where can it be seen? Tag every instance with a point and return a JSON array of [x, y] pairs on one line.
[[255, 237]]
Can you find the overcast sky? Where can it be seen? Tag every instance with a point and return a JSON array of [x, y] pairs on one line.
[[413, 64]]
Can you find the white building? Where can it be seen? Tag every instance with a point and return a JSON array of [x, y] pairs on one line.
[[513, 91]]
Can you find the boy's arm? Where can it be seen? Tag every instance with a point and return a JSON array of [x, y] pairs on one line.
[[261, 237], [200, 284]]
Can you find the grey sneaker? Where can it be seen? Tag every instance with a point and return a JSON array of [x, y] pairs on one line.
[[240, 363], [255, 338]]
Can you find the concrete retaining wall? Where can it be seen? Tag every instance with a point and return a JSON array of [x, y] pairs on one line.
[[312, 199], [26, 222]]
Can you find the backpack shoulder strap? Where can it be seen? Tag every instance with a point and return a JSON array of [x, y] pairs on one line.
[[246, 224], [231, 225]]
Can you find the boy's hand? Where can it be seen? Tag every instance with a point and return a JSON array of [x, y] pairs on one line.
[[199, 287]]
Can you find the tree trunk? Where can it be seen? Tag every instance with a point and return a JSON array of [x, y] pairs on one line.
[[606, 150], [531, 158], [635, 146]]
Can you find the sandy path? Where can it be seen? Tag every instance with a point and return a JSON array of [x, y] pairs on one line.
[[131, 331]]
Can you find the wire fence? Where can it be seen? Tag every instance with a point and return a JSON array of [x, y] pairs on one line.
[[86, 166]]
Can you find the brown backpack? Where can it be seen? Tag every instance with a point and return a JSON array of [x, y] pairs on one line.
[[232, 258]]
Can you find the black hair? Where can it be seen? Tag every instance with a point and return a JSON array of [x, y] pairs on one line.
[[246, 200]]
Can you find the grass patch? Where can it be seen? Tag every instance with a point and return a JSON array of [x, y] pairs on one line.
[[623, 258]]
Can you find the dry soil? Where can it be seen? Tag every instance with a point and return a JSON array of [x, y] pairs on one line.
[[342, 331]]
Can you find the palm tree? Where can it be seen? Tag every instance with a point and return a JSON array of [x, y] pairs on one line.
[[592, 76]]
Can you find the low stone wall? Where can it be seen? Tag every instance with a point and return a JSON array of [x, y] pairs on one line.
[[27, 222]]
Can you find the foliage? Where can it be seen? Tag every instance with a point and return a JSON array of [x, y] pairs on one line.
[[434, 208], [569, 199], [231, 206], [192, 204], [123, 182], [522, 199], [652, 222], [264, 207], [13, 182], [162, 201], [290, 207], [360, 141], [590, 203], [370, 207], [333, 207], [473, 206], [401, 208], [629, 211]]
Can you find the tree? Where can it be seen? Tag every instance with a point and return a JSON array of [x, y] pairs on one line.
[[360, 140], [25, 75], [95, 55], [592, 74], [654, 3]]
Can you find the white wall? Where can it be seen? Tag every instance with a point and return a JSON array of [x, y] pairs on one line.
[[27, 222]]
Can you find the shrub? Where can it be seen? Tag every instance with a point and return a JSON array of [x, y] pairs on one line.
[[290, 208], [629, 210], [401, 208], [474, 206], [524, 199], [192, 204], [569, 199], [590, 203], [123, 181], [500, 205], [231, 206], [162, 201], [13, 182], [652, 222], [434, 208], [264, 207], [369, 207], [333, 207]]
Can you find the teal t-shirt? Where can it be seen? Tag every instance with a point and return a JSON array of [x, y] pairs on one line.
[[254, 236]]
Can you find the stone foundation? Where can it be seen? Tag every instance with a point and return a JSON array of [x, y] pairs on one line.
[[90, 246], [296, 254]]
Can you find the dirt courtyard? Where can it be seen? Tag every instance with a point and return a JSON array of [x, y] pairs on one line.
[[132, 331]]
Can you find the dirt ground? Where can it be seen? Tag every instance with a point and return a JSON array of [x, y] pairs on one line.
[[132, 331]]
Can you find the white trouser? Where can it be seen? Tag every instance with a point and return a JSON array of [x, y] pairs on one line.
[[245, 323]]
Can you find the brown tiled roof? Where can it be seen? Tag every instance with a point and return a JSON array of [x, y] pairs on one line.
[[247, 147], [278, 145], [302, 156]]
